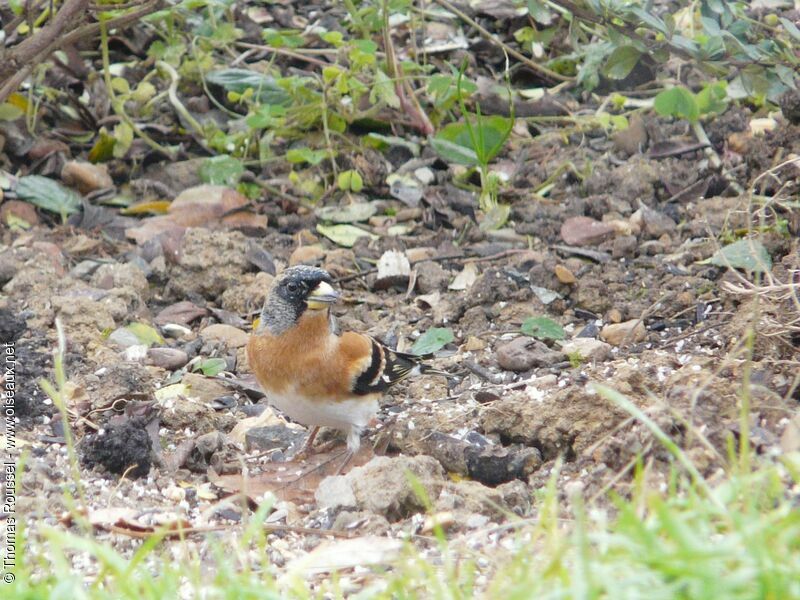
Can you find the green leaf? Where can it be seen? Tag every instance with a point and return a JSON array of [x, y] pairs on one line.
[[432, 340], [542, 328], [350, 181], [210, 367], [240, 80], [677, 102], [123, 138], [712, 99], [221, 170], [9, 112], [352, 213], [621, 62], [301, 155], [344, 235], [748, 255], [495, 217], [266, 115], [483, 136], [538, 11], [146, 334], [49, 195], [790, 28]]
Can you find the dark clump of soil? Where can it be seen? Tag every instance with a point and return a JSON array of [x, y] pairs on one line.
[[119, 447], [11, 325]]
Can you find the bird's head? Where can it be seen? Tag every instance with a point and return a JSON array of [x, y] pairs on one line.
[[294, 293]]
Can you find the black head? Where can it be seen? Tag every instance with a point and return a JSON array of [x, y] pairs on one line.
[[296, 290]]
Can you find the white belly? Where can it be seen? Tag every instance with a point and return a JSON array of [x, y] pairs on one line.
[[344, 415]]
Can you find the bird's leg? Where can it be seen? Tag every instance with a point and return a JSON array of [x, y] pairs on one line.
[[305, 449]]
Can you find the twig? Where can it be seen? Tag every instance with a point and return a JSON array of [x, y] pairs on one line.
[[544, 71], [284, 52]]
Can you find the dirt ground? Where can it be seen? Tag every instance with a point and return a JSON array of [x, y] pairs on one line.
[[628, 281]]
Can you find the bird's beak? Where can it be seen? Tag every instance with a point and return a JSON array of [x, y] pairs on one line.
[[322, 296]]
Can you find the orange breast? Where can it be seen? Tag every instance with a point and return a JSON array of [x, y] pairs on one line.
[[310, 358]]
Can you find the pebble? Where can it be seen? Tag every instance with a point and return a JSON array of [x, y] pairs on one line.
[[85, 176], [564, 275], [623, 246], [431, 277], [588, 349], [585, 231], [273, 437], [307, 255], [524, 353], [628, 332], [167, 358], [231, 336]]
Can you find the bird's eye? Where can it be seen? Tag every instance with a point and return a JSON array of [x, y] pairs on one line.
[[292, 287]]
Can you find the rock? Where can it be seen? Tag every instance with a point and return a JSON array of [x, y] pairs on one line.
[[87, 177], [130, 380], [431, 277], [228, 335], [653, 223], [307, 255], [203, 388], [421, 253], [16, 213], [124, 338], [632, 139], [339, 262], [524, 353], [208, 443], [473, 344], [209, 262], [615, 315], [587, 348], [585, 231], [273, 437], [364, 522], [382, 486], [84, 320], [121, 275], [394, 270], [564, 275], [182, 413], [167, 358], [470, 497], [628, 332], [623, 246]]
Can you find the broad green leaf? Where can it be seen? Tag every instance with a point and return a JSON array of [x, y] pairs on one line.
[[539, 12], [483, 136], [49, 195], [677, 102], [146, 334], [103, 148], [621, 62], [713, 98], [266, 89], [301, 155], [454, 153], [210, 367], [344, 235], [542, 328], [221, 170], [352, 213], [384, 142], [432, 340], [748, 255], [123, 138], [791, 28]]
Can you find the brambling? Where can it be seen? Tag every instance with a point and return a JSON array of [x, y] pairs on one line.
[[314, 375]]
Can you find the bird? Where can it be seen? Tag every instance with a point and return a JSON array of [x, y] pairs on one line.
[[313, 374]]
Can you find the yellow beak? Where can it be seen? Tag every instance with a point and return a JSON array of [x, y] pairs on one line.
[[322, 296]]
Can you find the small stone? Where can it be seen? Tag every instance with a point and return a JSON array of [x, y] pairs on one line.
[[628, 332], [655, 224], [382, 486], [203, 388], [473, 344], [614, 315], [18, 213], [587, 348], [210, 442], [85, 176], [394, 270], [307, 255], [417, 254], [633, 138], [230, 336], [585, 231], [167, 358], [623, 246], [564, 275], [431, 277], [524, 353], [273, 437]]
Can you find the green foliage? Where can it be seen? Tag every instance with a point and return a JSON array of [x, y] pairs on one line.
[[210, 367], [748, 255], [432, 340], [681, 103], [49, 195], [542, 328], [221, 170]]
